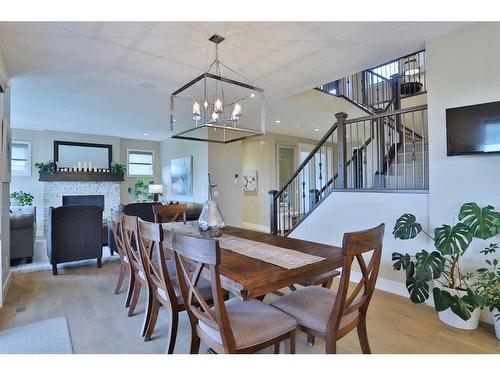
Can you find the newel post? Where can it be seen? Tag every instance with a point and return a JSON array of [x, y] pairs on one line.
[[342, 149], [273, 212]]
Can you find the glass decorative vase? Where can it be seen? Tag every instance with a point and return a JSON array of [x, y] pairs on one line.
[[211, 223]]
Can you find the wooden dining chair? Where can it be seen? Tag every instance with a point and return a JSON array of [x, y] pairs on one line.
[[323, 313], [116, 221], [231, 326], [167, 213], [131, 242]]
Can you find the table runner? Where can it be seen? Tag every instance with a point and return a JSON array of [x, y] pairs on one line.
[[279, 256]]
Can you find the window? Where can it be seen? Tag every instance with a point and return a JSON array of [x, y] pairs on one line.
[[140, 162], [21, 158]]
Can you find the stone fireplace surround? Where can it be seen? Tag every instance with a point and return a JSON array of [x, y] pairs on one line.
[[53, 192]]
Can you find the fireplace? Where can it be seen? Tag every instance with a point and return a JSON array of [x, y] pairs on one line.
[[102, 193], [94, 200]]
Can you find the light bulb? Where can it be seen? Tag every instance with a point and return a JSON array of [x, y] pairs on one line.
[[215, 116], [218, 108], [196, 111], [236, 110], [205, 104]]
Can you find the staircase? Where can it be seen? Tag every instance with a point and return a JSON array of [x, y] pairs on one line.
[[385, 150]]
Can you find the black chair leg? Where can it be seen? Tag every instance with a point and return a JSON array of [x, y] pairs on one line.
[[54, 269], [99, 263]]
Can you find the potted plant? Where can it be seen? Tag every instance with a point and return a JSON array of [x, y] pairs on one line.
[[487, 285], [49, 167], [118, 169], [454, 300], [20, 198], [140, 191]]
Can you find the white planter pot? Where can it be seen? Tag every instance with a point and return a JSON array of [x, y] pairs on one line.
[[450, 318], [496, 323]]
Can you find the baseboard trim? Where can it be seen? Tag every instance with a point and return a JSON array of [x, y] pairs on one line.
[[257, 227], [386, 285], [5, 288]]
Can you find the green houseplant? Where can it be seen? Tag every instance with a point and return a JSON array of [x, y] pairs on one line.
[[487, 284], [49, 167], [140, 190], [118, 169], [453, 296], [20, 198]]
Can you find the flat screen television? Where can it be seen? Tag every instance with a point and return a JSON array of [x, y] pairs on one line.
[[473, 129]]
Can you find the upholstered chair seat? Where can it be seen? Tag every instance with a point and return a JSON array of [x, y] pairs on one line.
[[311, 307], [252, 322]]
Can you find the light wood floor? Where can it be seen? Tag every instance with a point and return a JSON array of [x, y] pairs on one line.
[[98, 321]]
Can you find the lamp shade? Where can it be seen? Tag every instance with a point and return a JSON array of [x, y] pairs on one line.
[[155, 189]]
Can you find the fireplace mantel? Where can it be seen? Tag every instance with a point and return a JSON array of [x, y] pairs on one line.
[[81, 176]]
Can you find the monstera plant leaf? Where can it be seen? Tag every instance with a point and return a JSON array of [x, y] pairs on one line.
[[442, 299], [429, 266], [452, 240], [418, 289], [406, 227], [481, 221], [404, 262]]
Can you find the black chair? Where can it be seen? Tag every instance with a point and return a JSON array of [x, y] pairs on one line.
[[74, 233]]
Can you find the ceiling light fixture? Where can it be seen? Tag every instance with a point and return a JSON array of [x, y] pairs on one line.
[[316, 129], [210, 107], [146, 133], [277, 121]]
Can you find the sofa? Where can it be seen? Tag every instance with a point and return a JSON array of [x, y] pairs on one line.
[[74, 233], [144, 210], [22, 232]]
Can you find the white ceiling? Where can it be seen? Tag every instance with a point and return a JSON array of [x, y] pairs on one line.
[[114, 78]]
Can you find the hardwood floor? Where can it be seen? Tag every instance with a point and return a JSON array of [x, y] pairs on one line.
[[98, 321]]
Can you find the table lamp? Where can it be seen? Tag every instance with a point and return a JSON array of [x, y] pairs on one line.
[[156, 190]]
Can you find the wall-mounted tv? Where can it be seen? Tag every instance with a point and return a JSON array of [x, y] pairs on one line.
[[473, 129]]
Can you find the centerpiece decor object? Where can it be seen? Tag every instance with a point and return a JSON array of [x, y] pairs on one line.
[[456, 300], [211, 223], [219, 105]]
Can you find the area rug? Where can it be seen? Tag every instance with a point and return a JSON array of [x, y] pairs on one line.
[[41, 261], [45, 337]]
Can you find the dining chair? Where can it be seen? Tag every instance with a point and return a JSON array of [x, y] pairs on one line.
[[163, 278], [131, 242], [116, 221], [331, 315], [166, 213], [232, 326]]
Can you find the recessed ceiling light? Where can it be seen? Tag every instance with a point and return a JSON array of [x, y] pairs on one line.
[[316, 129], [252, 95], [277, 121], [146, 133]]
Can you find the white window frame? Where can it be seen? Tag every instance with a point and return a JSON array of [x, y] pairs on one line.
[[29, 159], [129, 150]]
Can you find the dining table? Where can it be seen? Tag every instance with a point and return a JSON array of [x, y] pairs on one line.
[[249, 277]]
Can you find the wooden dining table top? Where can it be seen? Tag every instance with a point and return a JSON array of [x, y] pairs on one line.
[[250, 278]]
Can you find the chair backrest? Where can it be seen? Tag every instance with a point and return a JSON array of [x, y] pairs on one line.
[[116, 223], [151, 245], [355, 245], [194, 255], [131, 242], [169, 212], [144, 210]]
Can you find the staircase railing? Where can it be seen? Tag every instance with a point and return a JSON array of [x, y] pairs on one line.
[[382, 151], [379, 88]]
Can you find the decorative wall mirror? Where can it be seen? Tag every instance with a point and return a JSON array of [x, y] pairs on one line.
[[68, 154]]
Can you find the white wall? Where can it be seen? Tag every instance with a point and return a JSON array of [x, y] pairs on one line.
[[352, 211], [224, 162], [463, 69], [4, 193], [176, 148]]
